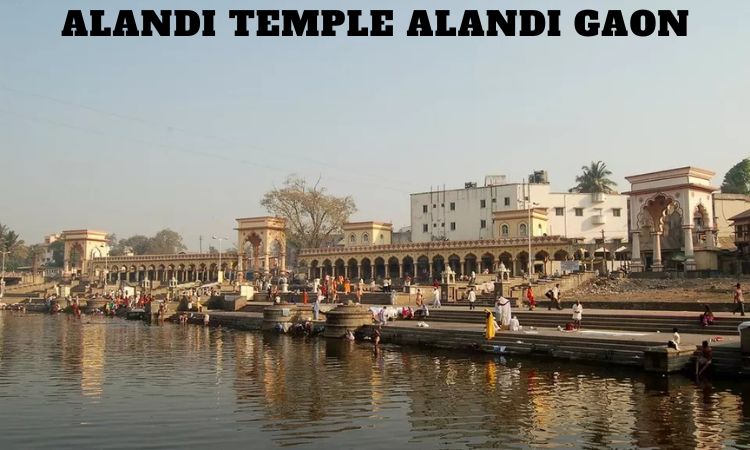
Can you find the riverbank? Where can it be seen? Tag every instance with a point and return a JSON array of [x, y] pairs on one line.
[[642, 349]]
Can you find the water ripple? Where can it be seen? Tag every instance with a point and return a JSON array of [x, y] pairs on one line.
[[117, 384]]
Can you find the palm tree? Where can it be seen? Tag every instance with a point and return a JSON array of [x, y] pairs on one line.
[[10, 240], [594, 178]]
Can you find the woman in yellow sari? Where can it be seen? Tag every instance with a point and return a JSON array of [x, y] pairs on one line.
[[489, 325]]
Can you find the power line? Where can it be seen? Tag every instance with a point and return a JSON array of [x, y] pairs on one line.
[[170, 128], [36, 118]]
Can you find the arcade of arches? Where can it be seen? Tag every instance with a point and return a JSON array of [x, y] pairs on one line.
[[427, 260], [185, 268], [262, 244]]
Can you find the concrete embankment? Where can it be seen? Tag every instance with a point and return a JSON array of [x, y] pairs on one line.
[[644, 350]]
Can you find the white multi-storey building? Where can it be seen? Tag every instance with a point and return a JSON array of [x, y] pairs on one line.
[[493, 211]]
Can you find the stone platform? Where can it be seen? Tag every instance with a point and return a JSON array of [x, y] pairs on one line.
[[596, 345]]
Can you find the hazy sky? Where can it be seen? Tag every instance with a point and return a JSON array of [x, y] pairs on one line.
[[131, 135]]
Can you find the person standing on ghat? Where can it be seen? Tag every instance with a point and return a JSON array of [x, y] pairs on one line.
[[739, 301], [436, 297], [554, 297], [472, 298], [577, 314]]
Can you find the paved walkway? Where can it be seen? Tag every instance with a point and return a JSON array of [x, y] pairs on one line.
[[624, 312], [613, 335]]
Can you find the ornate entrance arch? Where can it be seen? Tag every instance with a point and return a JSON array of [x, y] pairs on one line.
[[81, 246], [262, 244], [670, 205]]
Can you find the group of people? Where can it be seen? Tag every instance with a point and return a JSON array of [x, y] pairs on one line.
[[501, 318]]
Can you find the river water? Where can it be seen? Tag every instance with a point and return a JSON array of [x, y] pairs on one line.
[[109, 383]]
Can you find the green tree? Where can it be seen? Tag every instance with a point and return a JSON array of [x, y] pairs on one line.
[[58, 253], [737, 179], [36, 256], [9, 239], [138, 244], [594, 178], [312, 214], [166, 242]]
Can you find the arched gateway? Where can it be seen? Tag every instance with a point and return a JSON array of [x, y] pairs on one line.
[[671, 215]]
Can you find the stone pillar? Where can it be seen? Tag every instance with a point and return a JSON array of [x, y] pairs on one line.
[[636, 265], [429, 264], [689, 251], [359, 271], [400, 270], [346, 270], [657, 266], [282, 262], [266, 266], [513, 267]]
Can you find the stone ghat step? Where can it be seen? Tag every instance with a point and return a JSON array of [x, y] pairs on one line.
[[726, 360], [562, 318], [725, 326], [477, 317], [566, 313], [520, 336], [664, 328], [621, 353]]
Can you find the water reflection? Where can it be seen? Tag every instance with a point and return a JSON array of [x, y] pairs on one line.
[[186, 385]]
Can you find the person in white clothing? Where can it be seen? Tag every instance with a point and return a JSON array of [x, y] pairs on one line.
[[514, 324], [504, 309], [675, 342], [577, 314], [472, 298], [436, 298]]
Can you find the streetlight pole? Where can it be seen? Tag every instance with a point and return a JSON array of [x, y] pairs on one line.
[[106, 268], [529, 228], [220, 275], [529, 231], [2, 276]]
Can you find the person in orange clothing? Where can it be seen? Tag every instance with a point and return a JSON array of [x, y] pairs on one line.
[[304, 297], [530, 297], [347, 287]]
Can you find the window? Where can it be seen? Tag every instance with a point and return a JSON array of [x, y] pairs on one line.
[[434, 225], [579, 212], [616, 212], [424, 208], [494, 200], [365, 238], [442, 225], [506, 201], [434, 206], [424, 228], [483, 224], [453, 206], [559, 211], [482, 203], [352, 239], [504, 230], [453, 226], [442, 205], [522, 229]]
